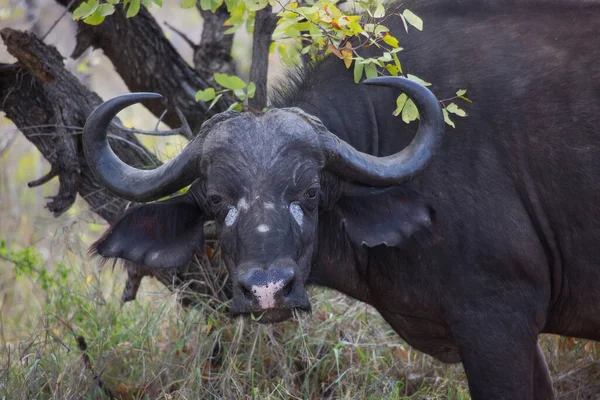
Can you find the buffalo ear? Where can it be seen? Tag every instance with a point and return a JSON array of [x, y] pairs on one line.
[[390, 217], [159, 235]]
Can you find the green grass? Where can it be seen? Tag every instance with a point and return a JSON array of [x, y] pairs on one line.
[[153, 348]]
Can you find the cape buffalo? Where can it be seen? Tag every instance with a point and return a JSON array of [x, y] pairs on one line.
[[468, 253]]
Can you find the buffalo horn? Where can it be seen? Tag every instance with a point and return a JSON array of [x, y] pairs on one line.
[[123, 180], [401, 167]]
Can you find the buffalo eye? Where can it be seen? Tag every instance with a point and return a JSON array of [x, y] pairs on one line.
[[311, 193], [215, 199]]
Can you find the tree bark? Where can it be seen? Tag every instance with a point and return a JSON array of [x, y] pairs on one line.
[[50, 106], [213, 54], [264, 25]]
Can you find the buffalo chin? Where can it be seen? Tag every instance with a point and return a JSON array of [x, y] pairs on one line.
[[272, 315]]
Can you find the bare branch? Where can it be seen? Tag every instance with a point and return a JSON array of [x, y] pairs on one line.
[[264, 25], [213, 54], [147, 61], [44, 179]]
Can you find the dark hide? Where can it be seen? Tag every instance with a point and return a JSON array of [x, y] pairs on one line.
[[514, 187], [390, 218], [158, 235]]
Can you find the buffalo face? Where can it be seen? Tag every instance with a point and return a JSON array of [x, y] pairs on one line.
[[262, 187], [260, 178]]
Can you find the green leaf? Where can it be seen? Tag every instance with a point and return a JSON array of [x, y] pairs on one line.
[[358, 71], [205, 5], [205, 95], [251, 90], [105, 9], [215, 101], [230, 81], [113, 2], [236, 107], [134, 8], [215, 4], [158, 2], [379, 11], [396, 61], [409, 112], [240, 94], [188, 3], [392, 69], [370, 71], [94, 19], [453, 108], [255, 5], [412, 19], [85, 9], [418, 80], [400, 102], [461, 92], [447, 118], [232, 30]]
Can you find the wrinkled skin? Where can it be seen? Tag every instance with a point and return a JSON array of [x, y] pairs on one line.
[[496, 242]]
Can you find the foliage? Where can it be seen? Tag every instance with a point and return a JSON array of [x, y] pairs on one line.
[[311, 28], [231, 83]]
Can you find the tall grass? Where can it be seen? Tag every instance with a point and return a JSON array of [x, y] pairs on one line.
[[74, 339], [153, 348]]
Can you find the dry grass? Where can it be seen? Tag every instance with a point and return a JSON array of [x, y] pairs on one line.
[[154, 349]]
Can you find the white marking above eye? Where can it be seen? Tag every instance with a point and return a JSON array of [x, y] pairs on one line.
[[231, 216], [262, 228], [297, 213], [243, 204]]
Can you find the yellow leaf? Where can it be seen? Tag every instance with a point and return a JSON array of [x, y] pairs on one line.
[[335, 51], [89, 279], [389, 39], [347, 57], [335, 24]]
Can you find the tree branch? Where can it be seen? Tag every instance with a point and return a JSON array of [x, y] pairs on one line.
[[213, 54], [264, 25], [147, 61], [48, 104]]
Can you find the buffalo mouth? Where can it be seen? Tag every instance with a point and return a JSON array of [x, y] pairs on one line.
[[272, 315]]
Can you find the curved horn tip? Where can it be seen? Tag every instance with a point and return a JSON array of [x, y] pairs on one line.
[[387, 80], [143, 95]]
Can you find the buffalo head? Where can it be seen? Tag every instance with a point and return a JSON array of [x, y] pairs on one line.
[[262, 178]]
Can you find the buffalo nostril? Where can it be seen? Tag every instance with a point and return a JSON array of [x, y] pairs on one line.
[[287, 289], [246, 292]]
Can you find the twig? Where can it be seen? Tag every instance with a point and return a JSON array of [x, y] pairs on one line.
[[82, 345], [184, 130], [193, 45], [58, 19], [46, 178]]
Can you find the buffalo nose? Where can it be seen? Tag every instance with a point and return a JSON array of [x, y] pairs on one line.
[[267, 287]]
